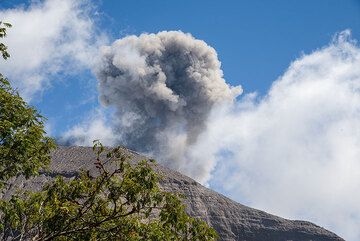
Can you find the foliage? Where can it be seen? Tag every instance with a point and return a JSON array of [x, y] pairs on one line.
[[24, 149], [3, 31], [122, 202]]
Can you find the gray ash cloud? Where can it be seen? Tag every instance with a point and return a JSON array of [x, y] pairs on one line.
[[163, 87]]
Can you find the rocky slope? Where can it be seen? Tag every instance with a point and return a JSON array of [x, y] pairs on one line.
[[232, 220]]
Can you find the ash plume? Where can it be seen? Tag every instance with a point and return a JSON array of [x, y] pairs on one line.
[[163, 87]]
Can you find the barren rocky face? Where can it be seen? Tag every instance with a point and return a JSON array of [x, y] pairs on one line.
[[232, 221]]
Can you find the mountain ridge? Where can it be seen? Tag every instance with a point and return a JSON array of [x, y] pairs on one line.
[[232, 220]]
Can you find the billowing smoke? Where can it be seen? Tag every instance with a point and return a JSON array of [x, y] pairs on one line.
[[163, 87]]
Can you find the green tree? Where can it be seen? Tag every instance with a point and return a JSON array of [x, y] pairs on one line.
[[24, 148], [122, 202], [3, 31]]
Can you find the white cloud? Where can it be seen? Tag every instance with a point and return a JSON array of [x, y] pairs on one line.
[[95, 128], [296, 151], [49, 37]]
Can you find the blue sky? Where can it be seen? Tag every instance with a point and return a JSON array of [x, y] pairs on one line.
[[300, 134], [255, 40]]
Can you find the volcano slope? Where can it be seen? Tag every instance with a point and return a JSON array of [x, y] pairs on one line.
[[232, 221]]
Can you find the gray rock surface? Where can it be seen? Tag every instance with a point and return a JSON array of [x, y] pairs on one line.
[[232, 221]]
